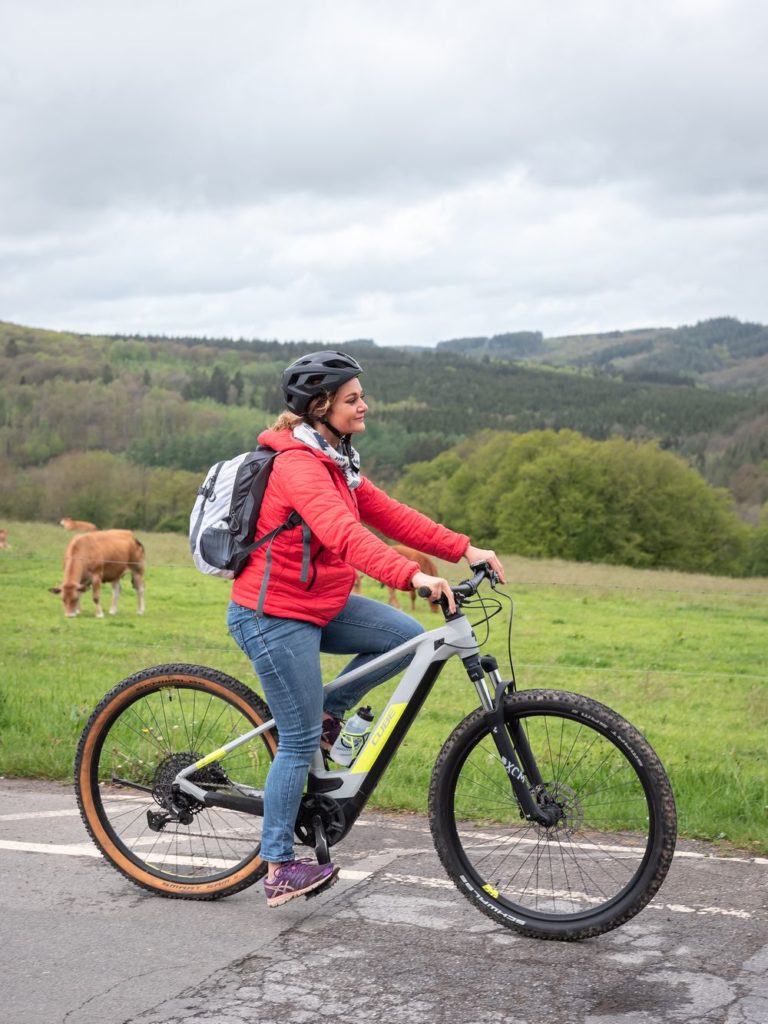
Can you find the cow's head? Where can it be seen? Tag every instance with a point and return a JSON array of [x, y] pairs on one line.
[[70, 595]]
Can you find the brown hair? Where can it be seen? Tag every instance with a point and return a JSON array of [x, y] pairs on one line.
[[316, 409]]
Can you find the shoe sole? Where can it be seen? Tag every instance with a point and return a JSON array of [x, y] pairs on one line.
[[308, 891]]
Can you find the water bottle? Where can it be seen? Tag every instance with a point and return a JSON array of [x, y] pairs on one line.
[[352, 737]]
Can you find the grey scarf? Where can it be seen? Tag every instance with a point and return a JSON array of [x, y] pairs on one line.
[[349, 463]]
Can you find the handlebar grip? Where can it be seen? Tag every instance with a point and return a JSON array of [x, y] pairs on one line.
[[466, 589]]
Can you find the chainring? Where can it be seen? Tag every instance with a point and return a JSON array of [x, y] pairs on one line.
[[331, 816]]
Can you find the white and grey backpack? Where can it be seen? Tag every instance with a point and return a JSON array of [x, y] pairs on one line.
[[225, 515]]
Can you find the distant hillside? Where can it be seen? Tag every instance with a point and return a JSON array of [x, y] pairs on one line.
[[517, 345], [722, 353], [182, 403]]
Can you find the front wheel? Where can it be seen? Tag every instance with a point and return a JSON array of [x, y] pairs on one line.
[[610, 844], [145, 731]]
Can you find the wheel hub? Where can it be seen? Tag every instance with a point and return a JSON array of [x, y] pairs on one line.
[[571, 813], [167, 794]]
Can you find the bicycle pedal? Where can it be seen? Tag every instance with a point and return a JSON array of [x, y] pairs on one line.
[[324, 887]]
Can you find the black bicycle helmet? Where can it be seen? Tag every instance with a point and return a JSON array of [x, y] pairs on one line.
[[315, 374]]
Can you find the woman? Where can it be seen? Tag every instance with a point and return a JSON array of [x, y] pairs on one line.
[[304, 613]]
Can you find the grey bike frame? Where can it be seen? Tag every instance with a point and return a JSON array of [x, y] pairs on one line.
[[349, 788], [430, 651]]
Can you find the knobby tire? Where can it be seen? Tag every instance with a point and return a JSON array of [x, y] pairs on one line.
[[608, 853], [139, 736]]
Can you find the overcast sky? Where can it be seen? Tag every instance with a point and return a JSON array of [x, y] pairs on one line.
[[402, 171]]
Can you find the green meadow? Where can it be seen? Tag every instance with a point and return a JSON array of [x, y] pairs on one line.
[[681, 656]]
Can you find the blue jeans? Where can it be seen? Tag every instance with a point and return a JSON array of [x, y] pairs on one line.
[[286, 656]]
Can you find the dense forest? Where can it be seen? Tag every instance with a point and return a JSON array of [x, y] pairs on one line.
[[721, 353], [150, 414]]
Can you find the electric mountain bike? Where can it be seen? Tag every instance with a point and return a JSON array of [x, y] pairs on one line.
[[550, 812]]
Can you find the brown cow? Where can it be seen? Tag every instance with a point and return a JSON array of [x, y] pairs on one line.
[[77, 524], [425, 564], [101, 557], [4, 545]]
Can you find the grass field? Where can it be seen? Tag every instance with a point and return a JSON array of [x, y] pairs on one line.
[[681, 656]]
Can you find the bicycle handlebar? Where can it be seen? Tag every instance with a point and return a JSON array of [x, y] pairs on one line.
[[467, 588]]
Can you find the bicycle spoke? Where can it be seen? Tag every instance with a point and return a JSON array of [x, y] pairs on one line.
[[139, 817], [591, 857]]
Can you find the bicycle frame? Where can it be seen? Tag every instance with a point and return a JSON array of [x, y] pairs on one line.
[[351, 787], [549, 811]]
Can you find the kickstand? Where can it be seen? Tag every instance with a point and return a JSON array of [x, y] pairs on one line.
[[321, 842]]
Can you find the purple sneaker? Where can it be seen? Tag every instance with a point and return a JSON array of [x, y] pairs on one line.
[[299, 878]]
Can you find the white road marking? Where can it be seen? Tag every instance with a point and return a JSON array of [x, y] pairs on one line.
[[30, 815], [400, 826], [60, 849], [676, 908], [349, 874], [88, 850], [679, 854]]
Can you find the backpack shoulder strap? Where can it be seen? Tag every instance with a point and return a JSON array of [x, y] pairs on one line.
[[293, 520]]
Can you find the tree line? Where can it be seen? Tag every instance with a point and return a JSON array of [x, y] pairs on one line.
[[553, 494], [557, 494], [159, 411], [679, 355]]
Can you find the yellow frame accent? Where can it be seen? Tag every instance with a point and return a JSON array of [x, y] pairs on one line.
[[221, 752], [376, 740]]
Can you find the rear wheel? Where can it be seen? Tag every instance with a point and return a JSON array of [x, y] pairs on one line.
[[148, 728], [610, 845]]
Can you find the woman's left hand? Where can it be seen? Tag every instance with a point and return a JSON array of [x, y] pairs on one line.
[[474, 555]]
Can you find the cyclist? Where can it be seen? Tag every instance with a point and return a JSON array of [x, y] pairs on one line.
[[300, 614]]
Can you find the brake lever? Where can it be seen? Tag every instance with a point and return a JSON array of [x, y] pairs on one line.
[[481, 570]]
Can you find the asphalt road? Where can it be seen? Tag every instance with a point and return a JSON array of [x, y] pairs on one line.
[[393, 942]]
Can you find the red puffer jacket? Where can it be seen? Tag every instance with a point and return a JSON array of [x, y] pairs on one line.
[[308, 481]]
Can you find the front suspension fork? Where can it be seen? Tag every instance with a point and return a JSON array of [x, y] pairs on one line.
[[511, 741]]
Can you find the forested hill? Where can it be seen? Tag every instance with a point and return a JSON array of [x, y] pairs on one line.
[[182, 403], [719, 353]]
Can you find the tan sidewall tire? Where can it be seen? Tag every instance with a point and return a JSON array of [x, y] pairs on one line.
[[248, 873]]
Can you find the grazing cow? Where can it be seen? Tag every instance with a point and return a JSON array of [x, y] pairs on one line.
[[77, 524], [101, 557], [4, 545], [425, 564], [357, 586]]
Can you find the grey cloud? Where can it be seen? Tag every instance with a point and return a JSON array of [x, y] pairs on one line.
[[181, 104], [381, 169]]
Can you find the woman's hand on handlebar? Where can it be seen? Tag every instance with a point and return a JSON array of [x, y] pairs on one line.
[[437, 587], [474, 555]]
